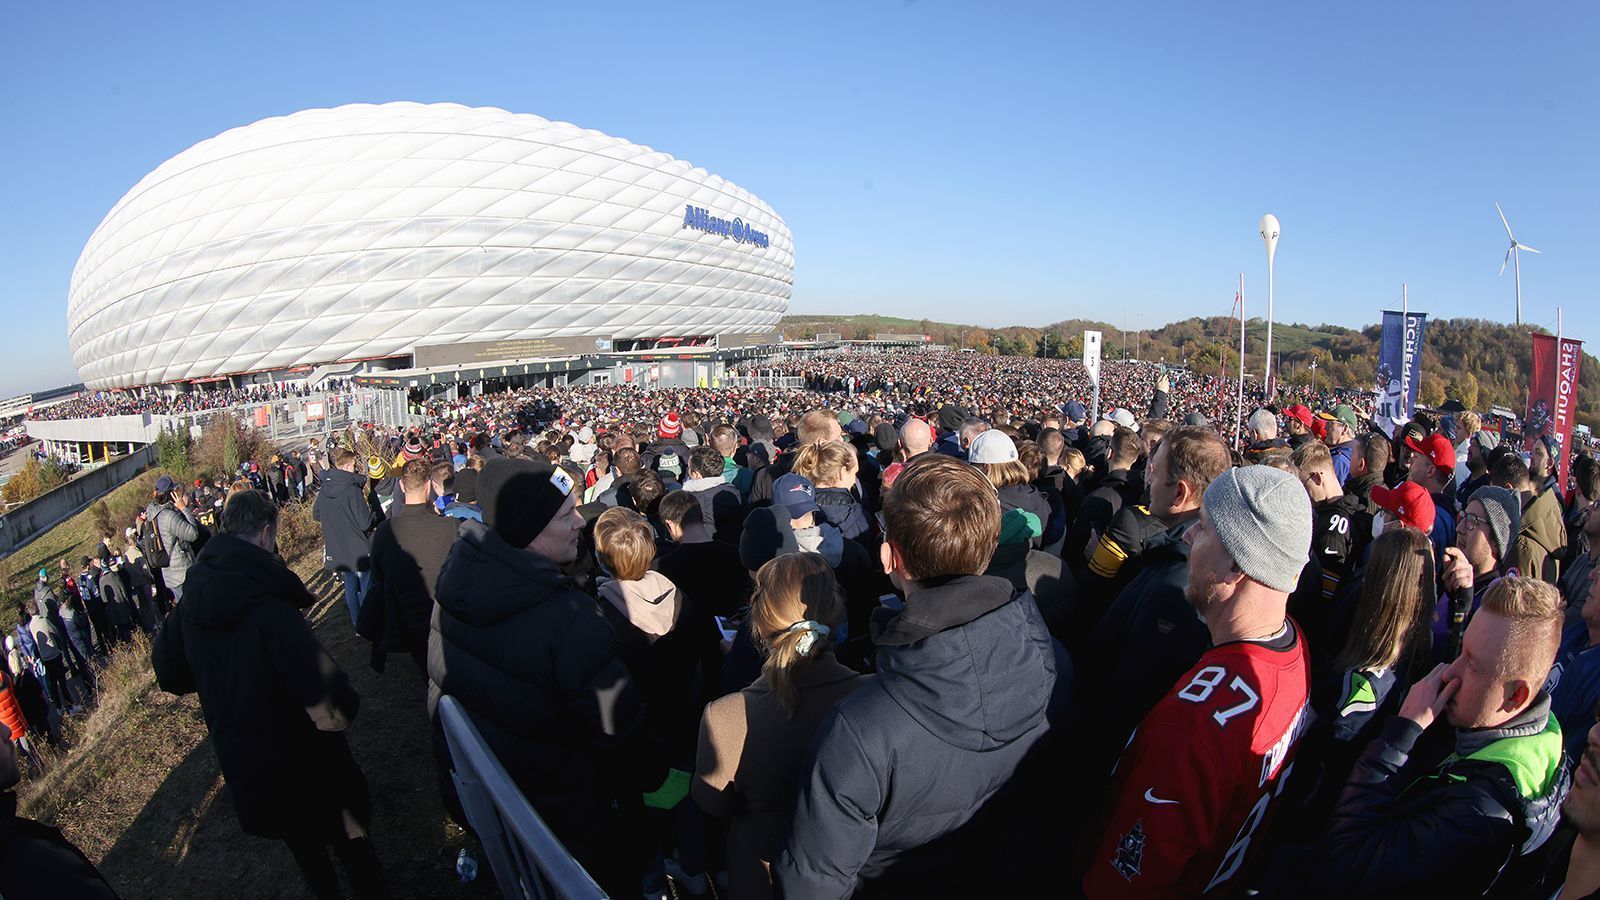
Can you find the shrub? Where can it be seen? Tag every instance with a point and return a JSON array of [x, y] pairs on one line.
[[298, 533], [172, 452], [36, 478], [100, 518], [225, 442]]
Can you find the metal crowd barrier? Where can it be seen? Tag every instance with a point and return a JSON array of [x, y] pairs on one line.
[[286, 418], [791, 382], [527, 859]]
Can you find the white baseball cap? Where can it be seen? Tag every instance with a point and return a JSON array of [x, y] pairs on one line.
[[1121, 417], [992, 447]]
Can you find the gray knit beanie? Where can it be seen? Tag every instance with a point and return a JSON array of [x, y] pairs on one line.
[[1504, 512], [1262, 515]]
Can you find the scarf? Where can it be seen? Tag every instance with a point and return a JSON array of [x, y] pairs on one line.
[[824, 539]]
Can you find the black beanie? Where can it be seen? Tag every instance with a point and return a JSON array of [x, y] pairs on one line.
[[467, 485], [951, 416], [519, 497], [885, 436]]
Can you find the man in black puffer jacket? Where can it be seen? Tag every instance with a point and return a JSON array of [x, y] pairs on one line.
[[1445, 818], [535, 664], [938, 778], [275, 703]]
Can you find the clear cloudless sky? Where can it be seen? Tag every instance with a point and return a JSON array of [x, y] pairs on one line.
[[986, 163]]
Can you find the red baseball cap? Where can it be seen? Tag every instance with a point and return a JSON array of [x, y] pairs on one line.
[[1300, 413], [1437, 448], [1409, 503]]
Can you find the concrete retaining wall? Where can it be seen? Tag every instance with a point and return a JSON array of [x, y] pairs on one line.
[[26, 522]]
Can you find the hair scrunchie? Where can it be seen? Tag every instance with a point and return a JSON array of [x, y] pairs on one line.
[[811, 631]]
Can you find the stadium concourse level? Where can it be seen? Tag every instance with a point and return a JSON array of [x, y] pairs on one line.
[[922, 629], [131, 403]]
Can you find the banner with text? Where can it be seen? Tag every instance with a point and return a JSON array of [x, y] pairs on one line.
[[1553, 397], [1399, 368]]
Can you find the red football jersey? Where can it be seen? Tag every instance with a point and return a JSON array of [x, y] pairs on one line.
[[1198, 779]]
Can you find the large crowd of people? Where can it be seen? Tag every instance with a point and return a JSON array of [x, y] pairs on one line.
[[923, 627]]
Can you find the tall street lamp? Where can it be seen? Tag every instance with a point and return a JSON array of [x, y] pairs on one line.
[[1269, 236]]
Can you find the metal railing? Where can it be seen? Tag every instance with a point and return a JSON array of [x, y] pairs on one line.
[[527, 858], [283, 420], [293, 417], [789, 382]]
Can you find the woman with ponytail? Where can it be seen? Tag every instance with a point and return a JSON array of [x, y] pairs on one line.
[[752, 743]]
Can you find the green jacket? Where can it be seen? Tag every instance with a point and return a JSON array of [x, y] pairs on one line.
[[1541, 539]]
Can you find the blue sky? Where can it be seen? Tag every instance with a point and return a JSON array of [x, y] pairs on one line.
[[987, 163]]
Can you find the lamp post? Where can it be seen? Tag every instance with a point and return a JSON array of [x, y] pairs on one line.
[[1313, 376], [1269, 236]]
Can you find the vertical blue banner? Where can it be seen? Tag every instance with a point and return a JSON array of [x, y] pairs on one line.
[[1399, 368]]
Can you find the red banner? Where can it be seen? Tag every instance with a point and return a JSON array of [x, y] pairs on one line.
[[1568, 362], [1553, 397]]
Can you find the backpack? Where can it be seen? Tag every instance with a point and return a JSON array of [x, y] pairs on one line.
[[151, 545]]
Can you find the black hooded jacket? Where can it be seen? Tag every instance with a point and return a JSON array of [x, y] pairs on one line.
[[275, 703], [347, 520], [932, 766], [535, 664]]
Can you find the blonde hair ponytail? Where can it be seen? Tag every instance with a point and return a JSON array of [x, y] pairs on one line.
[[797, 604]]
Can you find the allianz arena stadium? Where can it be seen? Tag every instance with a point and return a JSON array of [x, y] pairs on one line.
[[368, 238]]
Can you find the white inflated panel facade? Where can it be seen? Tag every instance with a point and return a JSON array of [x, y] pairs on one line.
[[355, 233]]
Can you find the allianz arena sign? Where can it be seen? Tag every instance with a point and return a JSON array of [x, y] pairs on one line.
[[741, 232]]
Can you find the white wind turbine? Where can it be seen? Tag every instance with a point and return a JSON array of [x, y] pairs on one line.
[[1513, 258]]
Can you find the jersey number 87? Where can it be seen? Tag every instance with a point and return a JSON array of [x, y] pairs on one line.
[[1199, 689]]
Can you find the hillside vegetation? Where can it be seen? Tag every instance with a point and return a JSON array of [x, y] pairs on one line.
[[1478, 362]]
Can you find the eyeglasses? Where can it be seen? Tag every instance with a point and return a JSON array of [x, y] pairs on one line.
[[1472, 520]]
